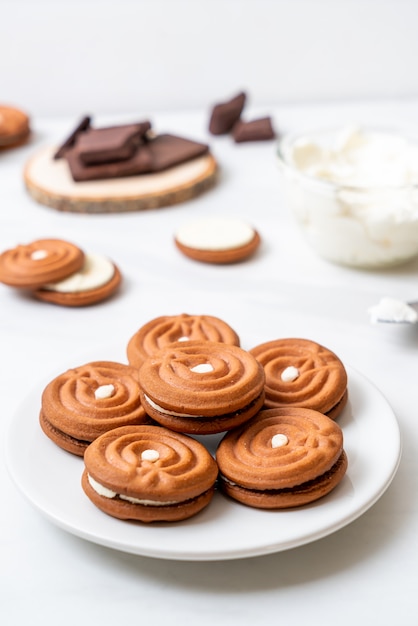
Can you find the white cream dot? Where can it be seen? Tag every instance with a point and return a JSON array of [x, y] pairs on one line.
[[202, 368], [38, 255], [104, 391], [183, 339], [150, 455], [289, 374], [279, 440]]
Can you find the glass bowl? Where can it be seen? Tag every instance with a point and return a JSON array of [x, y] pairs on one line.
[[354, 194]]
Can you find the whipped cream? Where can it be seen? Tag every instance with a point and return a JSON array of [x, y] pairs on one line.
[[355, 194], [355, 157], [392, 310]]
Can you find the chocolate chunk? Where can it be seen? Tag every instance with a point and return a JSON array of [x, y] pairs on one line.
[[156, 155], [115, 143], [255, 130], [226, 114], [82, 126], [169, 150], [138, 163]]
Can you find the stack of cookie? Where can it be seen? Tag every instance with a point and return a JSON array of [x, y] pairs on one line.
[[59, 272], [136, 425]]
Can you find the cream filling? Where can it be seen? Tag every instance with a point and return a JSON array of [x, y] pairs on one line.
[[108, 493], [159, 408], [96, 272], [215, 234]]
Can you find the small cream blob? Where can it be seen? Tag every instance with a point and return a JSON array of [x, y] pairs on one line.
[[202, 368], [104, 391], [150, 455], [279, 440], [38, 255], [290, 374], [392, 310]]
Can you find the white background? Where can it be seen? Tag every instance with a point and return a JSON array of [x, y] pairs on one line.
[[123, 56]]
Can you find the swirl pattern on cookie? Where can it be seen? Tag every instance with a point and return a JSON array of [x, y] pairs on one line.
[[163, 331], [312, 445], [282, 458], [180, 469], [42, 261], [84, 402], [148, 473], [202, 378], [302, 373]]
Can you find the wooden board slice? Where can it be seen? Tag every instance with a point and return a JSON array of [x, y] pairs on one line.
[[49, 182]]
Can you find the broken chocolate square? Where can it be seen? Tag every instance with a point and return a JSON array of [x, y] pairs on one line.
[[226, 114], [81, 127], [255, 130], [115, 143]]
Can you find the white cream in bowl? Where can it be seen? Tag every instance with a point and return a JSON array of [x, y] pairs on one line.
[[354, 192]]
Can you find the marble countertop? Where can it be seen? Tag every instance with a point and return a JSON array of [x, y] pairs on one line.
[[364, 571]]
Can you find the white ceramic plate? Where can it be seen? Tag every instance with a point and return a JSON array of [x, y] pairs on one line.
[[50, 479]]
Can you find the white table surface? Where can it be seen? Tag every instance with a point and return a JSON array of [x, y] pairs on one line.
[[365, 571]]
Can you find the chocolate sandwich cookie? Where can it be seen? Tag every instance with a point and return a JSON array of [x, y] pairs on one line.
[[148, 474], [14, 126], [97, 280], [163, 331], [282, 458], [302, 373], [225, 114], [201, 387], [82, 403], [35, 264], [217, 240]]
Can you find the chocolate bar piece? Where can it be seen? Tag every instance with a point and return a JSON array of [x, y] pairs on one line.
[[115, 143], [226, 114], [138, 163], [168, 150], [155, 155], [82, 126], [255, 130]]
